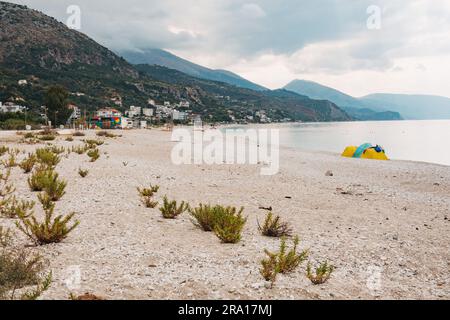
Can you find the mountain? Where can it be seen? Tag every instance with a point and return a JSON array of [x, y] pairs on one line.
[[419, 107], [353, 106], [169, 60], [278, 103], [44, 52]]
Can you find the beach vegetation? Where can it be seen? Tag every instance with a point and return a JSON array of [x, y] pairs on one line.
[[321, 274], [94, 154], [28, 163], [284, 261], [47, 157], [274, 227], [51, 229], [83, 173], [22, 275], [170, 209], [5, 237], [228, 224]]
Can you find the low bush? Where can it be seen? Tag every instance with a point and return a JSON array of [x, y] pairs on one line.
[[48, 181], [51, 229], [283, 261], [47, 137], [20, 270], [55, 187], [10, 162], [94, 154], [40, 179], [12, 208], [5, 237], [228, 224], [3, 150], [170, 210], [83, 173], [47, 157], [69, 139], [322, 273], [56, 149], [28, 163], [148, 192], [80, 149], [273, 227], [29, 135], [106, 134], [93, 143], [78, 134]]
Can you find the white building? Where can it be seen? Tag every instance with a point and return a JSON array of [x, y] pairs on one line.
[[151, 102], [134, 111], [184, 104], [11, 107], [22, 82], [166, 103], [108, 113], [148, 112], [179, 115]]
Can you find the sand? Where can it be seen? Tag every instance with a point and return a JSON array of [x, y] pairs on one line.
[[385, 226]]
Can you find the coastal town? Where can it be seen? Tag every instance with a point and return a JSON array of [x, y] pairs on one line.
[[134, 117]]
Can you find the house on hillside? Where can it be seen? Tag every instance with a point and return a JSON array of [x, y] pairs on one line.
[[11, 107]]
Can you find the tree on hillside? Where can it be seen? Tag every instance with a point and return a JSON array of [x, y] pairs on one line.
[[56, 101]]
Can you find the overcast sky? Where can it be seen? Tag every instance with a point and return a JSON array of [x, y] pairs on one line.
[[272, 42]]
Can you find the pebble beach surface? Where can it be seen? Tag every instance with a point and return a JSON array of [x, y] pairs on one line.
[[385, 226]]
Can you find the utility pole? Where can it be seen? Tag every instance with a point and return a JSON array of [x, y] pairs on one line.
[[56, 112]]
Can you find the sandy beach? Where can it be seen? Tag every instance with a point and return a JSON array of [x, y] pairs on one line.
[[385, 226]]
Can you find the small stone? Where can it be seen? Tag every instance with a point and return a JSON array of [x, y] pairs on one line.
[[329, 173]]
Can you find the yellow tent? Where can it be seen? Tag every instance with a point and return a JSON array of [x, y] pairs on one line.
[[365, 151]]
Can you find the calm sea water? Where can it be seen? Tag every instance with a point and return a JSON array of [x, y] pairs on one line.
[[427, 141]]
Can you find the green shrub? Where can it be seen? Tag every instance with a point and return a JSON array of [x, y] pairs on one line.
[[47, 157], [5, 237], [229, 224], [93, 143], [55, 187], [19, 270], [94, 154], [170, 210], [273, 227], [78, 134], [51, 229], [13, 208], [40, 179], [283, 261], [27, 164], [10, 162], [206, 216], [83, 173], [47, 137], [56, 149], [322, 273], [3, 150], [149, 203], [29, 135], [148, 192], [106, 134], [6, 191], [79, 149], [48, 181], [147, 196], [69, 139]]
